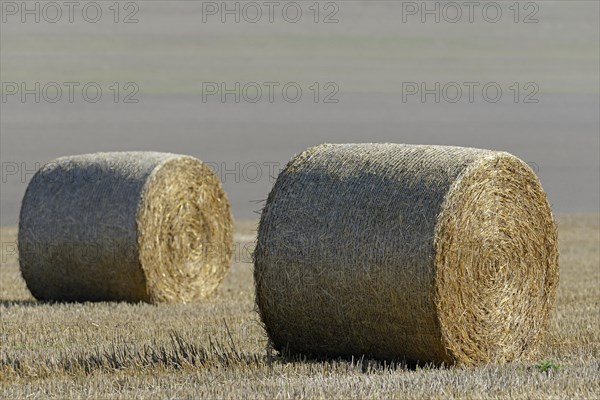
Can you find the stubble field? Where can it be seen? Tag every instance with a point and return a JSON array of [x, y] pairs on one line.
[[218, 349]]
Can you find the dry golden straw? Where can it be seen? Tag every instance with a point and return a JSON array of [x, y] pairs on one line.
[[131, 226], [423, 253]]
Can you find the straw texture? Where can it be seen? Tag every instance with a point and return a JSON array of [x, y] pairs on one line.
[[424, 253], [130, 226]]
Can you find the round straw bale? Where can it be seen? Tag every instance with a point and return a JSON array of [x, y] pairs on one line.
[[422, 253], [129, 226]]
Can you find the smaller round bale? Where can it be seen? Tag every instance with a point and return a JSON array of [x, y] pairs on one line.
[[124, 226], [423, 253]]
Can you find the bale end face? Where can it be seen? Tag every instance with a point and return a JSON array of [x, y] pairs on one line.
[[185, 232], [496, 262]]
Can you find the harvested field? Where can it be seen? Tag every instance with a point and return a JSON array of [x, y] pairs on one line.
[[218, 348]]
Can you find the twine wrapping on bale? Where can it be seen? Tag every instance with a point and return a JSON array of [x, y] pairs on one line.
[[130, 226], [423, 253]]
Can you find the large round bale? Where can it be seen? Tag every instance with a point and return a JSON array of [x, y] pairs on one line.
[[423, 253], [130, 226]]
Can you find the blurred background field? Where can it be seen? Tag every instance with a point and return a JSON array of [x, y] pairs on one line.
[[372, 49]]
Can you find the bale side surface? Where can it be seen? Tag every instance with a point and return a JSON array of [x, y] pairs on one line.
[[79, 226], [346, 261]]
